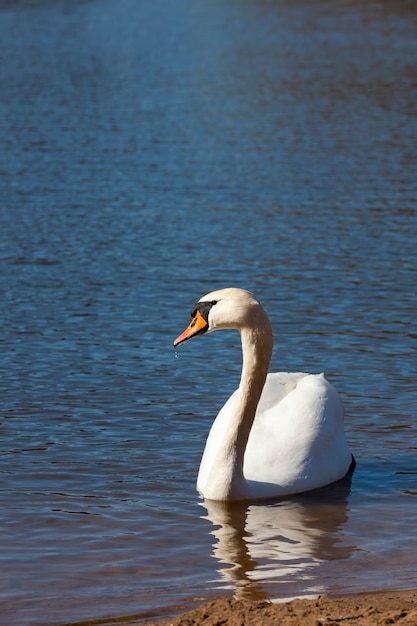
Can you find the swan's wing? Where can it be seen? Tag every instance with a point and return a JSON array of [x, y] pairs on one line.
[[299, 441], [277, 386]]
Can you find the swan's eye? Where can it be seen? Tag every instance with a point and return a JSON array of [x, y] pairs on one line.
[[203, 308]]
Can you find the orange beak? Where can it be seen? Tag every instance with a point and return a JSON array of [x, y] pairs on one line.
[[197, 326]]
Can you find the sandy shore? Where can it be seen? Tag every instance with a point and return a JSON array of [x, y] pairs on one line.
[[385, 607]]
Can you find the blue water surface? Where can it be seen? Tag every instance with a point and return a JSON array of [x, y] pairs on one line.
[[152, 152]]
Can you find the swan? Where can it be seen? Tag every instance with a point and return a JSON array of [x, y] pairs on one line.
[[278, 434]]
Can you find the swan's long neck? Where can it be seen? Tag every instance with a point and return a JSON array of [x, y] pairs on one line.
[[256, 356], [226, 477]]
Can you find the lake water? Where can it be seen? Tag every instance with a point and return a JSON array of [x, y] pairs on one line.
[[153, 151]]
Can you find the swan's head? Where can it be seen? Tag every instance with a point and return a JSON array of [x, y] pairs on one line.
[[225, 308]]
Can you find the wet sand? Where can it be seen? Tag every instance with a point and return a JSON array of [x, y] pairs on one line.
[[367, 609]]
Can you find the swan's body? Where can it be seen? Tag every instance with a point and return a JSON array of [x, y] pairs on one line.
[[278, 434]]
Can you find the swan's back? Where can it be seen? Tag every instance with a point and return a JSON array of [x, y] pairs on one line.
[[297, 440]]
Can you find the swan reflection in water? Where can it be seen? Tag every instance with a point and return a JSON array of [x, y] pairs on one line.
[[283, 542]]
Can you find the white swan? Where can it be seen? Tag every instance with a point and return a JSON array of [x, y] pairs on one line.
[[278, 434]]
